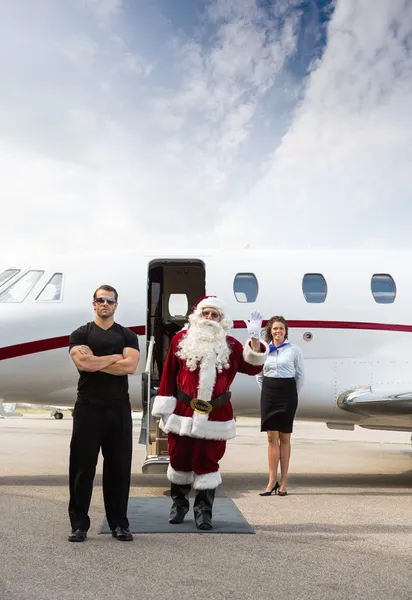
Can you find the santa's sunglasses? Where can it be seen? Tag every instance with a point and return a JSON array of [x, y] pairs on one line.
[[103, 300], [210, 313]]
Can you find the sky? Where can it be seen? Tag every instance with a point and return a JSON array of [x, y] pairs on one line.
[[205, 123]]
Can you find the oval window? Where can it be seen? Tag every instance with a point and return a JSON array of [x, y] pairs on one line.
[[245, 287], [314, 288], [178, 305], [383, 288]]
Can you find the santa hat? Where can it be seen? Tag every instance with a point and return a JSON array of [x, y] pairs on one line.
[[209, 302]]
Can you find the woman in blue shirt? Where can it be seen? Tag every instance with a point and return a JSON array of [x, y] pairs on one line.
[[280, 381]]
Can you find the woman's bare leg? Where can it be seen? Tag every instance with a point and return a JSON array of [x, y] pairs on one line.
[[273, 458], [284, 439]]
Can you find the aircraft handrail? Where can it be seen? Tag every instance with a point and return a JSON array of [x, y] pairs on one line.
[[149, 355], [148, 372]]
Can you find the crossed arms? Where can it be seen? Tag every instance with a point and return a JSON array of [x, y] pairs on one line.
[[114, 364]]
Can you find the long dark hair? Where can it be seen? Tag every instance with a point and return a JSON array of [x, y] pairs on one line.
[[268, 329]]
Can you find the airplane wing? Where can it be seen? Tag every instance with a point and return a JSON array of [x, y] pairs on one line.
[[379, 409]]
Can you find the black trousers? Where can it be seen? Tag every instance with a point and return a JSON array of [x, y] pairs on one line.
[[108, 428]]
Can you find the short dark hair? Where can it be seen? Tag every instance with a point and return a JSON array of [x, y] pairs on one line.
[[106, 288], [268, 328]]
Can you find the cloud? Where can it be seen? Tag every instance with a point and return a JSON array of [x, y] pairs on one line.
[[223, 82], [104, 138], [136, 64], [340, 175], [250, 122], [103, 8]]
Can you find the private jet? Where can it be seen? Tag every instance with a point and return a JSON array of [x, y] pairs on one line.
[[349, 312]]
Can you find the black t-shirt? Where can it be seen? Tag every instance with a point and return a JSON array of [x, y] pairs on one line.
[[99, 387]]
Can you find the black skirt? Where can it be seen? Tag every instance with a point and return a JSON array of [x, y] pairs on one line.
[[278, 404]]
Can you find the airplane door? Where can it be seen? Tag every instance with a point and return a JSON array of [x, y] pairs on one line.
[[173, 288]]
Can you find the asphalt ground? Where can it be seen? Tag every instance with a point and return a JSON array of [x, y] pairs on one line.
[[344, 530]]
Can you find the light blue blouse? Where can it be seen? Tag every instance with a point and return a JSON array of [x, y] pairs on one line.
[[285, 362]]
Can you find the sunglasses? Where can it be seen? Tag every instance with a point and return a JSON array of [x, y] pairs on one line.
[[210, 313], [103, 300]]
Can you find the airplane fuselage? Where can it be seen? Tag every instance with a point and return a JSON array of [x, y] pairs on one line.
[[349, 341]]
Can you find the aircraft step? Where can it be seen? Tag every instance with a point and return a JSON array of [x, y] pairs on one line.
[[157, 459]]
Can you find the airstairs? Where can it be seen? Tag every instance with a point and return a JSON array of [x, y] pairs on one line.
[[157, 455]]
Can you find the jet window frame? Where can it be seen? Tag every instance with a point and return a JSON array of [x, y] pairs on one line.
[[39, 299], [307, 294], [172, 297], [14, 273], [252, 277], [375, 293], [16, 281]]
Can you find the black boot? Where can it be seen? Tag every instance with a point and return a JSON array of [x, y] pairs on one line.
[[203, 508], [180, 506]]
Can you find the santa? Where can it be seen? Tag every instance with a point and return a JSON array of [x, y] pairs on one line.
[[194, 405]]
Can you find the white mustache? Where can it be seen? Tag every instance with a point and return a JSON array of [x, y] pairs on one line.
[[207, 322]]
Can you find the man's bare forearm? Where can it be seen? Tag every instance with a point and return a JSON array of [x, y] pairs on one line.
[[121, 367], [93, 363]]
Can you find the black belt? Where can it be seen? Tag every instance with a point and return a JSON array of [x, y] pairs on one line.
[[201, 406]]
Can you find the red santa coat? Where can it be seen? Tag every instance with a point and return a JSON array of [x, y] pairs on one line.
[[205, 383]]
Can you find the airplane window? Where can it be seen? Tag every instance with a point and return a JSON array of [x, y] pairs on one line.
[[178, 305], [17, 291], [8, 274], [245, 287], [314, 288], [52, 291], [383, 288]]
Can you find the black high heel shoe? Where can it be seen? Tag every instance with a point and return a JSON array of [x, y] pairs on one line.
[[274, 489]]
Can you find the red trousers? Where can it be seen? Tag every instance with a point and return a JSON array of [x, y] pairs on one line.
[[193, 454]]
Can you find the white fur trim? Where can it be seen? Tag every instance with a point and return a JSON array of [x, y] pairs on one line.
[[199, 427], [255, 358], [203, 428], [179, 477], [163, 405], [207, 378], [208, 481], [200, 423], [211, 303], [179, 425]]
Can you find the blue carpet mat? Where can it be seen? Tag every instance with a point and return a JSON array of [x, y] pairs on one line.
[[151, 515]]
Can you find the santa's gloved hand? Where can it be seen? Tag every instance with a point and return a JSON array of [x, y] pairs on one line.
[[254, 326]]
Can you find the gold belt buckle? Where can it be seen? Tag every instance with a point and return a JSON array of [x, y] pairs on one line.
[[201, 406]]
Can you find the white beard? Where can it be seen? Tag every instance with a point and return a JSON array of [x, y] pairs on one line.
[[204, 343]]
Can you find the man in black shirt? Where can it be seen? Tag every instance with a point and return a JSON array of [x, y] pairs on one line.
[[105, 353]]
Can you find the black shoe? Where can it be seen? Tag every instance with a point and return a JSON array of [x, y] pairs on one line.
[[180, 506], [122, 534], [78, 535], [202, 509], [270, 492]]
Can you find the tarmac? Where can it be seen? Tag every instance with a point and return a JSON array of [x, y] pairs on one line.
[[344, 531]]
